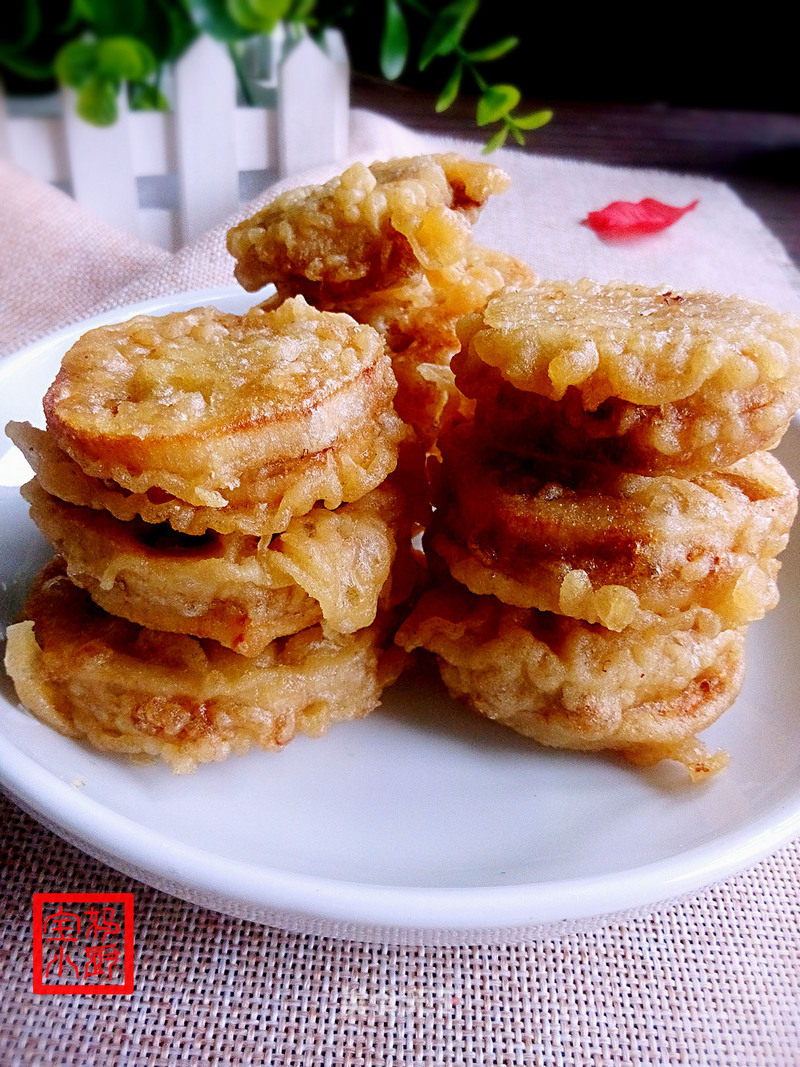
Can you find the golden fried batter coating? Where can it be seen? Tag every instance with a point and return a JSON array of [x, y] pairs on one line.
[[618, 550], [242, 591], [369, 228], [648, 380], [568, 684], [205, 406], [264, 504], [419, 321], [146, 694]]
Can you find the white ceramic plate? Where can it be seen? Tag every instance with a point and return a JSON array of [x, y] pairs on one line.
[[420, 823]]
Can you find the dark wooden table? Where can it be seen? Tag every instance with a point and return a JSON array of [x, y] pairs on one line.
[[756, 153]]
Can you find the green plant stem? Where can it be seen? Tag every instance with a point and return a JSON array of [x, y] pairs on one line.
[[241, 77]]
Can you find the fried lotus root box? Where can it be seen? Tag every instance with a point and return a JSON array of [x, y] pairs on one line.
[[647, 380], [614, 548], [368, 229], [331, 567], [268, 504], [569, 684], [224, 412], [152, 695]]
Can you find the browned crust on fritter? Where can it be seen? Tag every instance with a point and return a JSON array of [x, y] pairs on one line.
[[419, 322], [196, 404], [618, 549], [567, 684], [391, 246], [151, 695], [367, 229], [683, 438], [264, 504], [239, 590], [648, 380]]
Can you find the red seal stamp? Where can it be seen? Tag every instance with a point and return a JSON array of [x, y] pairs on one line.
[[83, 943]]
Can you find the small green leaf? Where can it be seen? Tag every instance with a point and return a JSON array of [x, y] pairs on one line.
[[302, 11], [394, 41], [450, 91], [497, 140], [124, 59], [495, 102], [68, 24], [257, 16], [76, 63], [108, 18], [448, 28], [212, 17], [143, 96], [535, 120], [176, 31], [493, 51], [518, 135], [97, 102], [82, 10]]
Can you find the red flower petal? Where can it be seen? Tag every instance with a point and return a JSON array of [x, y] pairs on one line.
[[624, 219]]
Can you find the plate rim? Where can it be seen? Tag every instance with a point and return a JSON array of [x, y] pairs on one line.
[[178, 300], [385, 907], [376, 908]]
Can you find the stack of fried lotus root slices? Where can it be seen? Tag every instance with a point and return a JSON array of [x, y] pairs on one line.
[[608, 523], [233, 499], [232, 502]]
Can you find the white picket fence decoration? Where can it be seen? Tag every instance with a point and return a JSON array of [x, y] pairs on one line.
[[169, 176]]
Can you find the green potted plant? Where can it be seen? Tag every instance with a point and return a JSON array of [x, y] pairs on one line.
[[98, 47]]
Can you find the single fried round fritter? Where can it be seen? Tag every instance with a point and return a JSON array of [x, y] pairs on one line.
[[206, 406], [147, 694], [648, 380], [264, 504], [621, 549], [568, 684], [367, 229], [330, 567]]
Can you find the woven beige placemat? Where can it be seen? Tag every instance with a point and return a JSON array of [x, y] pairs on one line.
[[713, 980]]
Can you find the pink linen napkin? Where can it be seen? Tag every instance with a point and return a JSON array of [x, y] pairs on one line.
[[59, 262]]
